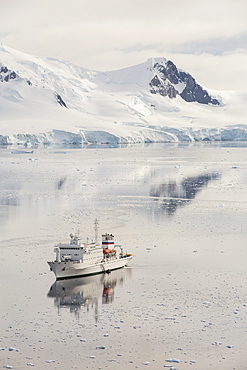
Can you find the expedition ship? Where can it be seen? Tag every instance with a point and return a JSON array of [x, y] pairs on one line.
[[78, 258]]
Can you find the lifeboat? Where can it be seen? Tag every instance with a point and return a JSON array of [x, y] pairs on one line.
[[107, 251]]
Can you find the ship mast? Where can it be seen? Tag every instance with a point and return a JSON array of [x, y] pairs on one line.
[[96, 229]]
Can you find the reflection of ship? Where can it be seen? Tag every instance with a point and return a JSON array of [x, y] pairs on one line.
[[85, 291], [175, 194], [82, 259]]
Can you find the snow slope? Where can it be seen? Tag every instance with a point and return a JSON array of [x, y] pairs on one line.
[[44, 100]]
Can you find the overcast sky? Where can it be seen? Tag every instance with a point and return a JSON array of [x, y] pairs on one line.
[[207, 38]]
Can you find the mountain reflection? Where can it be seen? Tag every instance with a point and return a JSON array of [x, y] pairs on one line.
[[172, 194], [87, 292]]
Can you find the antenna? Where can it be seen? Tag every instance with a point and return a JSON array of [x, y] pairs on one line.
[[96, 229]]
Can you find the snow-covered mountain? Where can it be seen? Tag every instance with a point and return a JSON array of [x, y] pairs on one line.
[[44, 100]]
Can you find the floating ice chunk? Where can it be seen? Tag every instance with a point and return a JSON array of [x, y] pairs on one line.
[[173, 360], [12, 349], [21, 152], [216, 343]]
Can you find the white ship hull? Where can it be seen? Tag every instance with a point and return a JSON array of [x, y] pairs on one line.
[[70, 269]]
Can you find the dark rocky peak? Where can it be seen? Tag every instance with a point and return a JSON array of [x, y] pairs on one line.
[[169, 71], [168, 76]]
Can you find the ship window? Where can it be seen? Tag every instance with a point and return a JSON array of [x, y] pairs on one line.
[[69, 248]]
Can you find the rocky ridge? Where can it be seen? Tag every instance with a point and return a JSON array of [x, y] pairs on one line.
[[7, 75], [169, 81]]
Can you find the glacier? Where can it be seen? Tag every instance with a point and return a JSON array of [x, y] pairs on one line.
[[49, 101]]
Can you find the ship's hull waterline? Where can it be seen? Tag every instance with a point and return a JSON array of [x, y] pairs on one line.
[[71, 269]]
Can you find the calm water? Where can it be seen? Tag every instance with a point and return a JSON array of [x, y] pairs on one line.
[[181, 303]]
